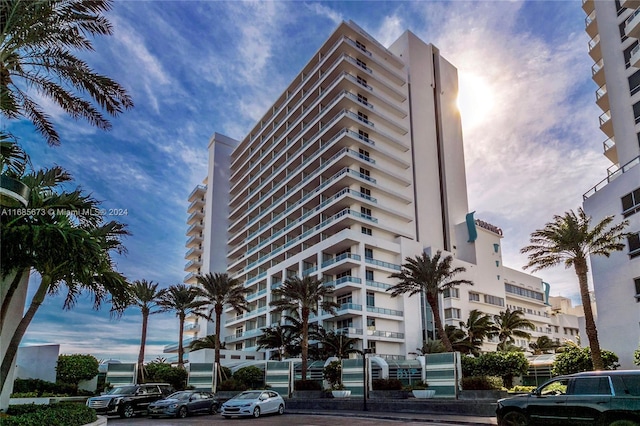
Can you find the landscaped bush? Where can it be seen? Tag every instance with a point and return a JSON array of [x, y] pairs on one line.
[[419, 385], [522, 388], [38, 388], [576, 359], [481, 383], [386, 384], [504, 364], [232, 385], [158, 372], [252, 377], [63, 414], [312, 385]]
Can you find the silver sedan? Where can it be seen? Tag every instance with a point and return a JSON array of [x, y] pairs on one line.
[[253, 403]]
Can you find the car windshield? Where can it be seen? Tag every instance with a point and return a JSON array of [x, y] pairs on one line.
[[249, 395], [122, 390], [182, 396]]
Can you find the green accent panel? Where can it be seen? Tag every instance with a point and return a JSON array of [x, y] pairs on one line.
[[352, 377], [282, 390], [547, 289], [434, 359], [200, 380], [118, 368], [444, 391], [277, 377], [496, 247], [277, 365], [355, 390], [471, 227], [351, 363], [201, 367], [441, 374]]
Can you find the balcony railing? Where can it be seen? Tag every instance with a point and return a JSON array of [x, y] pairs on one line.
[[373, 261], [257, 294], [384, 311], [377, 284], [388, 334], [340, 258], [343, 280], [612, 175]]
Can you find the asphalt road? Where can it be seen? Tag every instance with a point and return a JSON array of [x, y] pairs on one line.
[[269, 420]]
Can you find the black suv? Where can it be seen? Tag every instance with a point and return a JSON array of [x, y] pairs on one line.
[[603, 398], [128, 400]]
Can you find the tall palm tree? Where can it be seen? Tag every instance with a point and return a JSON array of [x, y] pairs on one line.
[[543, 345], [431, 346], [184, 301], [303, 296], [220, 290], [509, 324], [207, 342], [570, 239], [68, 248], [431, 275], [477, 327], [146, 295], [283, 337], [38, 38], [335, 343]]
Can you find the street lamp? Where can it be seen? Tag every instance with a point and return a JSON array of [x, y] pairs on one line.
[[364, 376]]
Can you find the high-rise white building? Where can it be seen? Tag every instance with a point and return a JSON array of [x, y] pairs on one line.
[[357, 165], [615, 29]]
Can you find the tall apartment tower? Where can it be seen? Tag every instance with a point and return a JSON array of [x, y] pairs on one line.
[[615, 30], [357, 165]]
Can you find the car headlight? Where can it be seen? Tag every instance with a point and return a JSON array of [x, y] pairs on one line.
[[246, 405], [173, 405]]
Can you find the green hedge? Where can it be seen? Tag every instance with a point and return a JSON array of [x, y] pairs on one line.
[[481, 383], [62, 414]]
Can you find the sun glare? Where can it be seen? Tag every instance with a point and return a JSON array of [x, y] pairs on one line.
[[475, 99]]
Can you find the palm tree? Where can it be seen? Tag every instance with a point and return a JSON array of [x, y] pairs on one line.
[[283, 337], [477, 328], [146, 296], [207, 342], [334, 343], [570, 239], [38, 38], [220, 290], [302, 296], [509, 324], [431, 346], [432, 276], [543, 345], [67, 247], [184, 301]]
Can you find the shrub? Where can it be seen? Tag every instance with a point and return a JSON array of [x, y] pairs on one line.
[[481, 383], [386, 384], [232, 385], [252, 377], [62, 414], [225, 372], [332, 373], [158, 372], [303, 385], [575, 360], [502, 364], [75, 368], [43, 388], [419, 385], [522, 388]]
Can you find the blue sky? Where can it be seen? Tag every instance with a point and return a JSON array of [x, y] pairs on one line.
[[532, 143]]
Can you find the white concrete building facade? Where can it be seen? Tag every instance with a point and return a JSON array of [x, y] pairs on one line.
[[615, 30], [358, 165]]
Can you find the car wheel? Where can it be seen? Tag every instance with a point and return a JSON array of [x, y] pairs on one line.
[[256, 412], [623, 422], [281, 409], [514, 418], [127, 411], [182, 412], [213, 408]]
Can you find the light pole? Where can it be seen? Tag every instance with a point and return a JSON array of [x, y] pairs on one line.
[[364, 377]]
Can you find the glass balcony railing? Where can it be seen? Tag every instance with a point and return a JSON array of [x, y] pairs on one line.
[[377, 284], [384, 311], [373, 261], [388, 334], [256, 294], [339, 258], [343, 280], [612, 175]]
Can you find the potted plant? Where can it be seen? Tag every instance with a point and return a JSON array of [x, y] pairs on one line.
[[420, 390], [333, 374]]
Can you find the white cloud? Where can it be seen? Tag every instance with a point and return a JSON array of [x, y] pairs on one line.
[[326, 12], [390, 29]]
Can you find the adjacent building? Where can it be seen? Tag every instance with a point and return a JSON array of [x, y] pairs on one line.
[[615, 30], [358, 165]]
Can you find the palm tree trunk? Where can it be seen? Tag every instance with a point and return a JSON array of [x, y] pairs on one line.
[[304, 345], [180, 347], [218, 310], [6, 298], [435, 308], [590, 324], [143, 342], [12, 350]]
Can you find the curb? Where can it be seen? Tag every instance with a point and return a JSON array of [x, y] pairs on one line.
[[409, 417]]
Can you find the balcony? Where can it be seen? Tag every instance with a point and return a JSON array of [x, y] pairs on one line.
[[597, 73], [613, 174], [588, 6], [349, 331], [191, 328], [634, 59], [610, 150], [244, 335], [344, 282], [594, 48], [256, 295], [591, 25], [339, 258], [198, 192], [606, 124], [194, 217], [190, 278], [384, 311], [602, 98], [385, 334], [376, 284], [195, 229], [194, 241], [632, 25], [193, 265], [174, 347], [630, 4], [196, 251], [383, 264]]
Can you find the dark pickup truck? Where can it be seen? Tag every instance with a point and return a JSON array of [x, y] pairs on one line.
[[601, 398], [128, 400]]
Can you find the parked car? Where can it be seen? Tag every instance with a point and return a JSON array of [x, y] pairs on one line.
[[253, 403], [184, 403], [607, 398], [128, 400]]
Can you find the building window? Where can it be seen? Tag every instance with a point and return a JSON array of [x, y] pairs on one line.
[[493, 300], [627, 53], [474, 297], [366, 231], [452, 313], [634, 245], [363, 135], [364, 154], [369, 275], [345, 298], [361, 64], [363, 99], [371, 344], [636, 281], [361, 46], [363, 117], [365, 211], [365, 191], [451, 292], [371, 298], [557, 328], [631, 203], [362, 81], [343, 274], [342, 324], [368, 253], [365, 172], [371, 323]]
